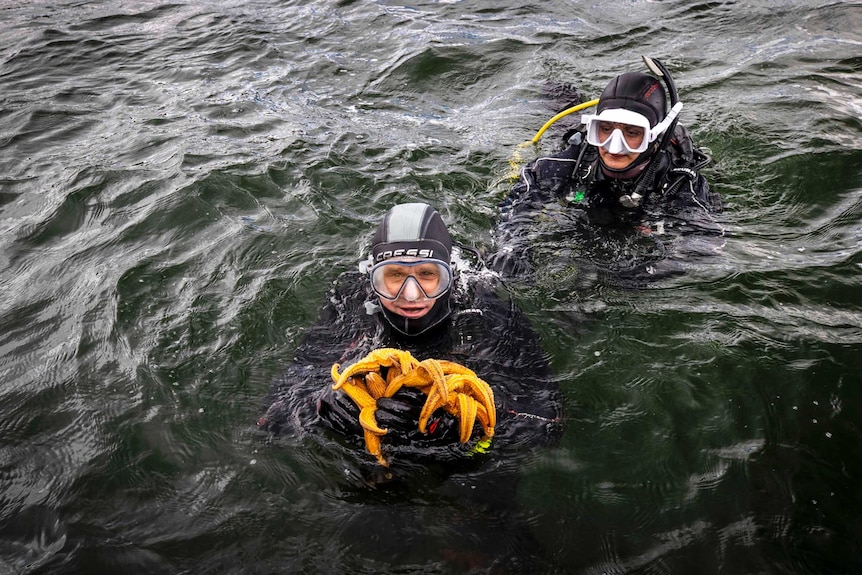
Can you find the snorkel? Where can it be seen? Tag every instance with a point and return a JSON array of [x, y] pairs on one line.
[[659, 69]]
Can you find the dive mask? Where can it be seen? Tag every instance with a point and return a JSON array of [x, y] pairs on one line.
[[391, 279], [634, 136]]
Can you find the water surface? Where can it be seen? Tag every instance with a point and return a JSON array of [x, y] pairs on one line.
[[181, 182]]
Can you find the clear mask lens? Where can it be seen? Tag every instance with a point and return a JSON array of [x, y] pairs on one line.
[[412, 280]]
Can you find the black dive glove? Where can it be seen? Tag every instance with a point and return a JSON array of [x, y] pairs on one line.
[[339, 411], [400, 415]]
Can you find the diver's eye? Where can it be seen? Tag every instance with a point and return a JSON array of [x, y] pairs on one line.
[[606, 128], [634, 132], [395, 275]]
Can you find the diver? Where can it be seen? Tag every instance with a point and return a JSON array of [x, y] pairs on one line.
[[418, 292], [630, 166], [414, 294]]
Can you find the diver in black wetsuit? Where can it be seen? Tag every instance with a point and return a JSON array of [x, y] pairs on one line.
[[410, 296], [630, 166], [440, 503]]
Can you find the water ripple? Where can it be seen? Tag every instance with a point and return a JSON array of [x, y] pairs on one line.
[[181, 183]]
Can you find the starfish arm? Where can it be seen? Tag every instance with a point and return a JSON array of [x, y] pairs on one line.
[[368, 422], [358, 394], [467, 407], [376, 384]]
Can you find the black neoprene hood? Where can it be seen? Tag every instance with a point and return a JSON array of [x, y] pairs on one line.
[[637, 92], [414, 230]]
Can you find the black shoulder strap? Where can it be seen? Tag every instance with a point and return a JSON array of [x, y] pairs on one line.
[[685, 154]]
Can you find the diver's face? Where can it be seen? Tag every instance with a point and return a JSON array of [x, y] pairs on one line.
[[411, 303], [405, 280], [621, 157]]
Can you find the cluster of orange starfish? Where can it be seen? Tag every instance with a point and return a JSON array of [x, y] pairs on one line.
[[448, 385]]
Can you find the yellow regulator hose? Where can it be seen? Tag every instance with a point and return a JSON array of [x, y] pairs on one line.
[[515, 162]]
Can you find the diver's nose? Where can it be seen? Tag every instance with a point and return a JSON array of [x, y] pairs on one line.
[[615, 146], [411, 290]]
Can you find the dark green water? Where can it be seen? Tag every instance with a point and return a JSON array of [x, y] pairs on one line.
[[181, 182]]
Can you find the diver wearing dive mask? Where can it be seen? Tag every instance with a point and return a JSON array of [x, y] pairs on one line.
[[632, 148], [411, 272]]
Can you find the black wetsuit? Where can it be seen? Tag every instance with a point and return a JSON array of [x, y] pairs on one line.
[[570, 189], [431, 480], [485, 333]]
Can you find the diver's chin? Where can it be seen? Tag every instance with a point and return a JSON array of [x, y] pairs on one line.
[[617, 161]]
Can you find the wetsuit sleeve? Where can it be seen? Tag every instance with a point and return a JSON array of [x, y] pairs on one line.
[[302, 394], [510, 358], [707, 196], [688, 193], [547, 177], [554, 174], [541, 182], [694, 207]]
